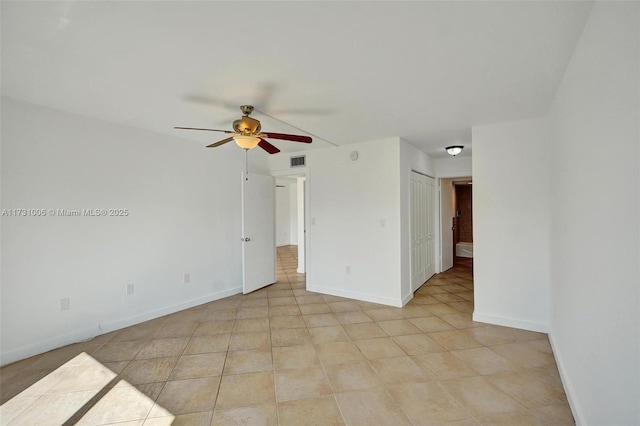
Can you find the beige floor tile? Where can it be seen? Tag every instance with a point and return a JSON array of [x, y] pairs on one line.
[[153, 370], [251, 361], [207, 344], [255, 303], [199, 365], [186, 396], [54, 409], [191, 419], [394, 371], [163, 348], [352, 317], [250, 325], [349, 306], [188, 315], [331, 353], [314, 411], [288, 321], [365, 330], [310, 299], [399, 327], [175, 330], [430, 324], [461, 320], [448, 297], [379, 348], [424, 299], [121, 403], [245, 390], [559, 414], [280, 293], [301, 384], [316, 308], [290, 337], [251, 340], [384, 314], [136, 333], [351, 377], [282, 301], [443, 366], [332, 333], [122, 351], [428, 404], [210, 328], [277, 311], [455, 339], [416, 344], [484, 361], [541, 345], [464, 306], [14, 407], [441, 309], [520, 418], [244, 313], [320, 320], [523, 355], [214, 314], [529, 389], [261, 415], [295, 357], [371, 407], [414, 311], [480, 397]]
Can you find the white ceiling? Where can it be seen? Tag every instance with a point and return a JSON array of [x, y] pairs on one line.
[[343, 71]]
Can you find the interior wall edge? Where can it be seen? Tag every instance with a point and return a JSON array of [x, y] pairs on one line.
[[576, 410]]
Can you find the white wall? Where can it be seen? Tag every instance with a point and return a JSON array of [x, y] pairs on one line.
[[511, 224], [594, 219], [184, 217], [353, 220], [450, 167]]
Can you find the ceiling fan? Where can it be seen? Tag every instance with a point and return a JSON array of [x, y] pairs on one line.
[[247, 134]]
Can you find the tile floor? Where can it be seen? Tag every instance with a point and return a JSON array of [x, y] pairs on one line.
[[283, 355]]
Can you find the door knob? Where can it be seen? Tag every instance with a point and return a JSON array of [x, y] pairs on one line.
[[245, 239]]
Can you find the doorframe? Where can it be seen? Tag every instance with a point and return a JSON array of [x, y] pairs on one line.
[[301, 172]]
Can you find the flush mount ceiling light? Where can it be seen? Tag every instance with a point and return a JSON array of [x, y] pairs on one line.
[[454, 149]]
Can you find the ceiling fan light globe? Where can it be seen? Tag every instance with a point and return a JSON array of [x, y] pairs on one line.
[[246, 142]]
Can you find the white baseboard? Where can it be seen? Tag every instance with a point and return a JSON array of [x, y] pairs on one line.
[[357, 296], [566, 383], [26, 351], [511, 322]]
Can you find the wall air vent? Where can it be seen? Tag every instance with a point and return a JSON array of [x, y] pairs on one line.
[[297, 161]]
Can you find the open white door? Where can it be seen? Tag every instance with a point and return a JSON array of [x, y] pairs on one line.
[[422, 229], [258, 232], [446, 220]]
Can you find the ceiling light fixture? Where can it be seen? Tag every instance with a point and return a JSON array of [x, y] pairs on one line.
[[246, 142], [454, 149]]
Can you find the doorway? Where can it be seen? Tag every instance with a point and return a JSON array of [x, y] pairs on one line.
[[456, 219], [290, 216]]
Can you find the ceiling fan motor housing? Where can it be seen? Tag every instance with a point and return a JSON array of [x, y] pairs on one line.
[[247, 126]]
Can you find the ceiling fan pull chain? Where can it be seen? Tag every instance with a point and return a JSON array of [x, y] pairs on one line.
[[246, 164]]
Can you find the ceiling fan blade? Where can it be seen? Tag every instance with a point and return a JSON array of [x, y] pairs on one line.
[[222, 142], [268, 147], [286, 137], [198, 128]]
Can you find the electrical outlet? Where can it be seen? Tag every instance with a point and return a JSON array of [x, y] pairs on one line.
[[129, 288], [187, 278], [65, 304]]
